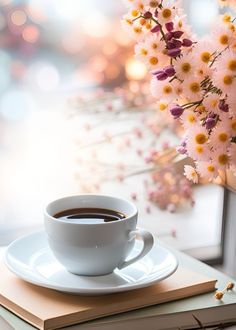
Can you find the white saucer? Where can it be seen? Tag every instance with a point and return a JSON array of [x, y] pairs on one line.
[[31, 259]]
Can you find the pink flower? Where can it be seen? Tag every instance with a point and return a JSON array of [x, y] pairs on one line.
[[189, 119], [220, 136], [211, 102], [185, 66], [205, 51], [224, 80], [162, 89], [227, 62], [191, 173], [222, 36], [221, 158], [207, 170], [197, 146], [192, 88]]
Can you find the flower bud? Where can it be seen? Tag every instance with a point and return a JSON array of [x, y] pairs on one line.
[[219, 295], [169, 36], [177, 43], [181, 150], [155, 29], [210, 122], [170, 45], [161, 76], [169, 26], [177, 34], [147, 15], [176, 111], [223, 106], [174, 52], [230, 286], [169, 70], [187, 43]]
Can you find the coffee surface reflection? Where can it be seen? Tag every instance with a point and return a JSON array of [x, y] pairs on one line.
[[89, 215]]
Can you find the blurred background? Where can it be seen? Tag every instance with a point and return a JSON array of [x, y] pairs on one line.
[[51, 52]]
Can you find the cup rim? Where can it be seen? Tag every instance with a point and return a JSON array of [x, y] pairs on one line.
[[49, 216]]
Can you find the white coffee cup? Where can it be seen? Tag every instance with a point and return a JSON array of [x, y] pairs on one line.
[[97, 248]]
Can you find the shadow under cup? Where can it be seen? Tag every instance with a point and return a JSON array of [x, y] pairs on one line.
[[91, 249]]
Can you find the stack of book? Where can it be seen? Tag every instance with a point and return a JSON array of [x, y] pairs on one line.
[[48, 309]]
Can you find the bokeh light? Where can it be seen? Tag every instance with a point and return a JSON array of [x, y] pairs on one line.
[[30, 34], [18, 17], [135, 69]]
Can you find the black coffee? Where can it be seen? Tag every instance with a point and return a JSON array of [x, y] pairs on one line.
[[89, 215]]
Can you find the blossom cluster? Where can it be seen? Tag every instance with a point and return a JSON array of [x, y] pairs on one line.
[[192, 78]]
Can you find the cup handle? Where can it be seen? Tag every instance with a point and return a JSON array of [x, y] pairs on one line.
[[148, 242]]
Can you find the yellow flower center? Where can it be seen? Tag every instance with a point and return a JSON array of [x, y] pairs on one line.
[[233, 46], [214, 103], [223, 137], [129, 21], [223, 159], [137, 29], [200, 71], [166, 13], [153, 4], [233, 125], [162, 106], [153, 60], [194, 87], [232, 27], [140, 6], [148, 26], [201, 108], [224, 39], [205, 57], [154, 45], [167, 89], [186, 67], [134, 13], [143, 51], [211, 168], [201, 138], [179, 90], [180, 24], [228, 80], [232, 65], [226, 18], [191, 119], [199, 149], [142, 21]]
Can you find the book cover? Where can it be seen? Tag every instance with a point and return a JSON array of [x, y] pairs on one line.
[[48, 309]]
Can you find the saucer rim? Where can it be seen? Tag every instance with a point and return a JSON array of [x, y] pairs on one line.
[[80, 290]]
